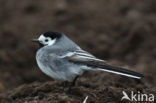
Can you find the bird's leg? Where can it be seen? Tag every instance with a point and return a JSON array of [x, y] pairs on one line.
[[74, 81], [72, 84], [64, 84]]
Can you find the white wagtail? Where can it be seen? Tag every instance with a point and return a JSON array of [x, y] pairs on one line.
[[62, 59]]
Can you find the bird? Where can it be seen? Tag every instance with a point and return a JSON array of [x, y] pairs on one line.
[[62, 59]]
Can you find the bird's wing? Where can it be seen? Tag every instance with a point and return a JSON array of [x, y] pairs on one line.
[[80, 55], [85, 58]]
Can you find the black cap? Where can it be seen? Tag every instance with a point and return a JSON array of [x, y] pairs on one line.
[[52, 34]]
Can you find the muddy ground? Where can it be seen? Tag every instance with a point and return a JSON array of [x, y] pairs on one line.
[[123, 32]]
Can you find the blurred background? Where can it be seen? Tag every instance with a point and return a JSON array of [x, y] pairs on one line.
[[123, 32]]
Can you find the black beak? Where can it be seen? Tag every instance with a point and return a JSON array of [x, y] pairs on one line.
[[35, 40]]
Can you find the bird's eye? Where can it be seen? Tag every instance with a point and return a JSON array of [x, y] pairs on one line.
[[46, 40]]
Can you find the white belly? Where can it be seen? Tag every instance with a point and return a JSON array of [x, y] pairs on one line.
[[64, 71], [67, 75]]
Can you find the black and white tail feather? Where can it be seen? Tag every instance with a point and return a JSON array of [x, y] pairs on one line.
[[84, 58]]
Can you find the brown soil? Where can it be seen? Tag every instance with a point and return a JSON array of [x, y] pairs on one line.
[[122, 32]]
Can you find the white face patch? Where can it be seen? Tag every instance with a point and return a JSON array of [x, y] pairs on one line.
[[46, 40]]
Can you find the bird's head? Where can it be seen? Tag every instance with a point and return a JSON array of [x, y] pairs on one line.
[[47, 39]]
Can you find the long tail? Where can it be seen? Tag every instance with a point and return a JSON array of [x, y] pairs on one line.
[[116, 70], [121, 71]]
